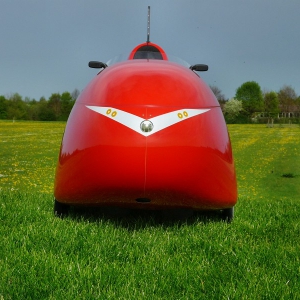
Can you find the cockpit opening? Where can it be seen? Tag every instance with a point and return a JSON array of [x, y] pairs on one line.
[[148, 51]]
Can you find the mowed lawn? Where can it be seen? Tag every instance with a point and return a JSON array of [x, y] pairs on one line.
[[95, 254]]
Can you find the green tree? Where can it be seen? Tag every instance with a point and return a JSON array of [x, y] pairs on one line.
[[45, 113], [3, 107], [67, 103], [251, 96], [54, 104], [271, 103], [33, 110], [16, 108]]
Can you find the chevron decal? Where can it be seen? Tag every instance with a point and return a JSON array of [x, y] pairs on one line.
[[150, 126]]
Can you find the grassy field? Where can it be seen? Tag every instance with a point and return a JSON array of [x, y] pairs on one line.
[[109, 255]]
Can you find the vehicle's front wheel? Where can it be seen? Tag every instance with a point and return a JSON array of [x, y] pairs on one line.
[[60, 209], [228, 214]]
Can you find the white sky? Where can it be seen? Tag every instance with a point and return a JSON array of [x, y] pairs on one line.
[[45, 45]]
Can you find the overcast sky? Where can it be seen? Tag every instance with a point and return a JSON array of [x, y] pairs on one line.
[[45, 45]]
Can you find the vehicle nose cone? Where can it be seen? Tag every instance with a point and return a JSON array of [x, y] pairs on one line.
[[146, 126]]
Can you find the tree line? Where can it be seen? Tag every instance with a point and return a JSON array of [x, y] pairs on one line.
[[252, 104], [249, 103], [56, 108]]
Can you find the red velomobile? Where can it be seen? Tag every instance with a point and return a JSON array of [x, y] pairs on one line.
[[146, 133]]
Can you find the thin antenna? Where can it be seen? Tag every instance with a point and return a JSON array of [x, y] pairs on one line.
[[148, 26]]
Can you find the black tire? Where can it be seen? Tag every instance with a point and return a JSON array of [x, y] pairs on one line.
[[228, 214], [61, 210]]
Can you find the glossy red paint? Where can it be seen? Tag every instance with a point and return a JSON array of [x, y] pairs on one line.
[[185, 164]]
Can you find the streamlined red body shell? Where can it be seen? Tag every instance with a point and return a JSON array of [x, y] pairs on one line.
[[146, 133]]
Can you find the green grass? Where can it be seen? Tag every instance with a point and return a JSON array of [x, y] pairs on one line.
[[99, 254]]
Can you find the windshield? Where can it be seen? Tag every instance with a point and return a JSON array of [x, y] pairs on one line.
[[148, 55]]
